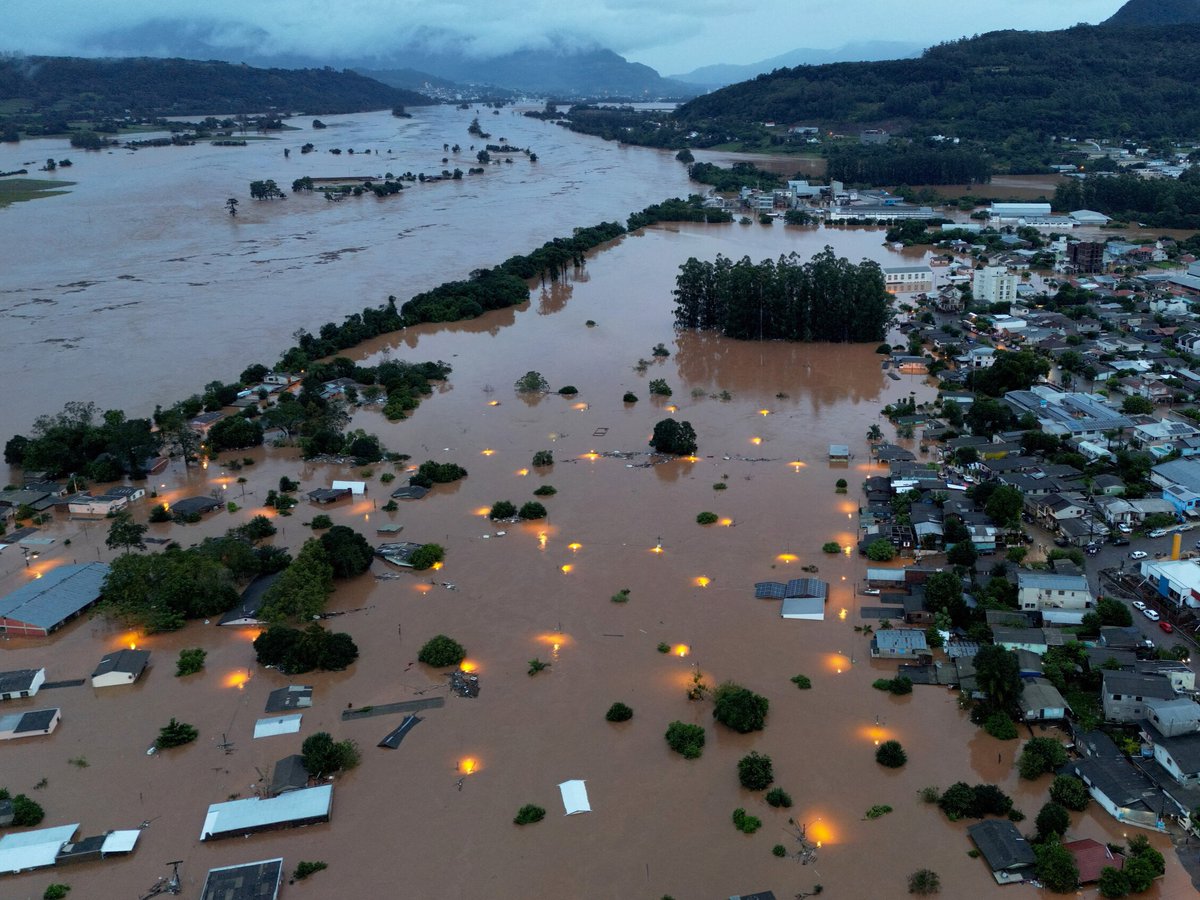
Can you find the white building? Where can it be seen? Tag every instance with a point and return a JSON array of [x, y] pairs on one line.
[[994, 284], [1177, 581], [120, 667], [1059, 598], [908, 279], [1012, 213], [21, 683]]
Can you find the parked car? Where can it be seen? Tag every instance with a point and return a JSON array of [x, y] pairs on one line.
[[871, 592], [1120, 542], [1138, 554], [1139, 605], [1125, 529], [1157, 533], [1061, 542], [1166, 626], [1151, 614]]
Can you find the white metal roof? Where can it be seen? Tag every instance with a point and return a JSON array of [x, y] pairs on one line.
[[250, 814], [33, 849], [811, 608], [574, 797], [277, 725], [355, 487], [120, 841]]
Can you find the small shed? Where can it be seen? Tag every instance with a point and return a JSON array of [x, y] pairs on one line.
[[120, 667], [21, 683], [410, 492], [289, 775], [357, 488], [277, 725], [1008, 854], [31, 724], [294, 696], [574, 797], [839, 452]]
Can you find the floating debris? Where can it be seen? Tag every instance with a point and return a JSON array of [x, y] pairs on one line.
[[464, 684]]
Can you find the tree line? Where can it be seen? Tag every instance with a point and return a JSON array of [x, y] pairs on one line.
[[826, 298], [908, 164], [1158, 202]]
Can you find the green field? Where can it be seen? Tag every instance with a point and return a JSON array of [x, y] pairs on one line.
[[17, 190]]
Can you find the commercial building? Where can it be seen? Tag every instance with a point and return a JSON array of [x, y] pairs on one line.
[[908, 279], [1180, 483], [1176, 580], [42, 606], [249, 881], [1086, 256], [1068, 414]]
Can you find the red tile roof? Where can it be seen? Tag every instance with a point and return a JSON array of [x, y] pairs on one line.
[[1092, 856]]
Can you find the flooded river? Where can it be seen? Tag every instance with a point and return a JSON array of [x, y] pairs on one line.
[[434, 816]]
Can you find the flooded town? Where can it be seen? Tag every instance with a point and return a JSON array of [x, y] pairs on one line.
[[372, 609]]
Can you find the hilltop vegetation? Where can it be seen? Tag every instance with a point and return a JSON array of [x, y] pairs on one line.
[[46, 93]]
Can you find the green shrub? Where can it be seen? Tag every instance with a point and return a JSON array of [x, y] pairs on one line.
[[663, 647], [308, 867], [387, 477], [1000, 726], [528, 814], [502, 509], [321, 521], [924, 881], [543, 458], [160, 513], [26, 812], [755, 772], [532, 383], [1052, 819], [739, 708], [568, 390], [630, 397], [546, 490], [779, 850], [191, 661], [802, 681], [831, 547], [1070, 792], [899, 685], [1041, 755], [929, 794], [621, 596], [175, 734], [891, 754], [720, 486], [322, 755], [706, 518], [427, 556], [56, 891], [881, 550], [876, 811], [618, 712], [744, 823], [686, 740], [536, 665], [841, 485], [660, 388], [532, 510], [441, 651]]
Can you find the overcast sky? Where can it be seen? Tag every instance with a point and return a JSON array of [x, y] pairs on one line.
[[670, 35]]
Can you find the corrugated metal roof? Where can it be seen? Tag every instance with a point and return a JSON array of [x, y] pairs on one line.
[[252, 814], [33, 849], [120, 841], [56, 596], [277, 725]]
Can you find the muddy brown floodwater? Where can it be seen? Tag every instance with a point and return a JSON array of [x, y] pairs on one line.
[[435, 815]]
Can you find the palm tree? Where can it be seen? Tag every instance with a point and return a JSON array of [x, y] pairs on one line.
[[874, 433]]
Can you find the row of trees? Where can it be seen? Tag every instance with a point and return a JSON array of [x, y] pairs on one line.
[[1159, 202], [907, 164], [827, 298]]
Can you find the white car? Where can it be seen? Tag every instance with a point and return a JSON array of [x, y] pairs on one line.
[[1150, 614], [1139, 605], [871, 592], [1157, 533], [1125, 529], [1138, 554]]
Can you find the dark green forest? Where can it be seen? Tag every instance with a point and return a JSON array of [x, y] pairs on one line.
[[908, 164], [827, 298], [1158, 202], [45, 93], [1125, 82]]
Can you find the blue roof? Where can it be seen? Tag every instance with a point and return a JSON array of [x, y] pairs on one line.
[[59, 594]]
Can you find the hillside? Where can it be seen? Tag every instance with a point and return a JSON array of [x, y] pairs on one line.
[[1156, 12], [1136, 82], [722, 74], [72, 88]]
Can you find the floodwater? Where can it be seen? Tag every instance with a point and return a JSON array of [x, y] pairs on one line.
[[435, 815], [138, 288]]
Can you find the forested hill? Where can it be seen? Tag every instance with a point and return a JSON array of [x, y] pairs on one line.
[[1136, 82], [1156, 12], [81, 88]]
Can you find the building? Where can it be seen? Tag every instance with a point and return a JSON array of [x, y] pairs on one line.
[[251, 601], [1125, 694], [21, 683], [1088, 217], [46, 604], [870, 212], [1087, 257], [1180, 483], [1092, 858], [1068, 414], [899, 643], [1042, 702], [803, 598], [1008, 854], [289, 774], [1060, 598], [873, 136], [120, 667], [908, 279], [236, 818], [1016, 213], [21, 851], [1176, 580], [1035, 640], [285, 699], [29, 724], [195, 506], [249, 881], [994, 284], [102, 505], [204, 422], [1125, 793]]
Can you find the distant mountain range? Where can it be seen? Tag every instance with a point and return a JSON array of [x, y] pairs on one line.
[[1157, 12], [55, 89], [561, 72], [722, 74]]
